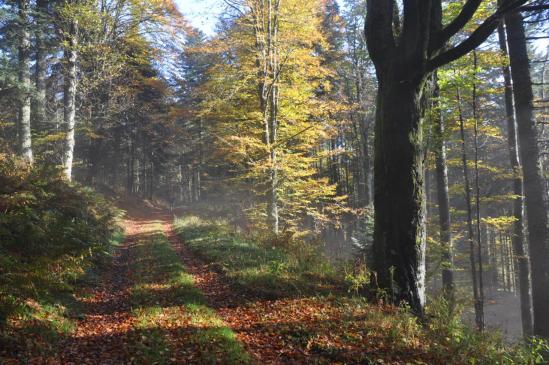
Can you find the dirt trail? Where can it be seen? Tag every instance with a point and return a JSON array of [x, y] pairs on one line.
[[106, 330], [252, 319], [102, 334]]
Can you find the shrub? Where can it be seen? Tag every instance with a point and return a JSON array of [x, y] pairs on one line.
[[51, 231]]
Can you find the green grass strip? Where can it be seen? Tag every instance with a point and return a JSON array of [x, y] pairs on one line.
[[171, 313]]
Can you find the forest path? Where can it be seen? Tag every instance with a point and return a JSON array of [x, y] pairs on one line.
[[146, 308], [158, 303]]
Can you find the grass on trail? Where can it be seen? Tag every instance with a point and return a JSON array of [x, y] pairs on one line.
[[266, 270], [172, 321]]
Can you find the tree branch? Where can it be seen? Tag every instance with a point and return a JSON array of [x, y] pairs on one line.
[[476, 38], [534, 7], [379, 29], [466, 14]]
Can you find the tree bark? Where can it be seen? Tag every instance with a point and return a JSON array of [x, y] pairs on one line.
[[477, 198], [69, 97], [365, 168], [399, 229], [24, 119], [534, 192], [273, 180], [523, 264], [470, 235]]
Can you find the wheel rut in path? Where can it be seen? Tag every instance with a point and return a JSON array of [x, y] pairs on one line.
[[109, 332], [101, 336]]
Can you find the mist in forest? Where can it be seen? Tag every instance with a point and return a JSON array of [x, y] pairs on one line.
[[312, 181]]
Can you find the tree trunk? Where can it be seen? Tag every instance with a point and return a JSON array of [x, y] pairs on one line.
[[518, 203], [41, 64], [333, 165], [265, 26], [443, 200], [69, 98], [404, 57], [477, 199], [152, 182], [24, 120], [365, 183], [535, 197], [362, 131], [470, 235], [399, 233], [273, 180]]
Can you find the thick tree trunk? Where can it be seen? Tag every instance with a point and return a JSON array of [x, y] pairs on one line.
[[407, 44], [69, 101], [41, 64], [443, 200], [24, 120], [535, 197], [523, 264], [399, 233]]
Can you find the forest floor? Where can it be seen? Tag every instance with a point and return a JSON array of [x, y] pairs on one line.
[[502, 312], [148, 308], [159, 303]]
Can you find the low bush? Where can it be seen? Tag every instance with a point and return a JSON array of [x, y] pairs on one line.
[[51, 233]]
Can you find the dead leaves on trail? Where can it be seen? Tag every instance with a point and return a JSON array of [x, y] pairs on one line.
[[324, 331]]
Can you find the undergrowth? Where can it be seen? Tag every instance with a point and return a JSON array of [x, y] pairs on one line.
[[53, 234], [272, 267]]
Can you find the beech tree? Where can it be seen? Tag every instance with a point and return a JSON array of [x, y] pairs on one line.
[[523, 267], [406, 45], [263, 71], [534, 189]]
